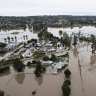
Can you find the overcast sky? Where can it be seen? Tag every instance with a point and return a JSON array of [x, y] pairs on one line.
[[47, 7]]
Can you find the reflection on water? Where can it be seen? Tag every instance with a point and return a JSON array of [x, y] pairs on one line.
[[20, 78], [39, 80]]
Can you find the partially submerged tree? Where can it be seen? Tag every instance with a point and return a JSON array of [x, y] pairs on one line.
[[60, 33], [67, 82], [18, 65], [39, 69], [1, 93], [67, 73], [75, 41], [65, 40], [93, 40], [66, 90]]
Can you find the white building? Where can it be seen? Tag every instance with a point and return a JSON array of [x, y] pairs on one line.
[[15, 36]]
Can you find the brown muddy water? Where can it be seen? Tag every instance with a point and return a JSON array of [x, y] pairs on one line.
[[83, 68], [23, 84], [83, 79]]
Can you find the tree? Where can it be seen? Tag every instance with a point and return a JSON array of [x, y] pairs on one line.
[[93, 46], [1, 93], [60, 33], [67, 82], [53, 58], [18, 65], [46, 58], [75, 41], [38, 69], [21, 57], [66, 90], [65, 40], [67, 73]]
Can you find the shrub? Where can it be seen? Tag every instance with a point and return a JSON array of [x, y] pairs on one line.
[[67, 73]]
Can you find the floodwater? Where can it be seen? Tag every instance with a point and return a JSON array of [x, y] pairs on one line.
[[82, 64], [83, 67], [85, 30], [23, 84]]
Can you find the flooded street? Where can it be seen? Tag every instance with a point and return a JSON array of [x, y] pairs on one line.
[[83, 67]]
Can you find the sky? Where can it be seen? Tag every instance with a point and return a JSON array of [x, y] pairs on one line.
[[47, 7]]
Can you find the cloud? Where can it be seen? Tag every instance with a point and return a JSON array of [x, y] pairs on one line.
[[47, 7]]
